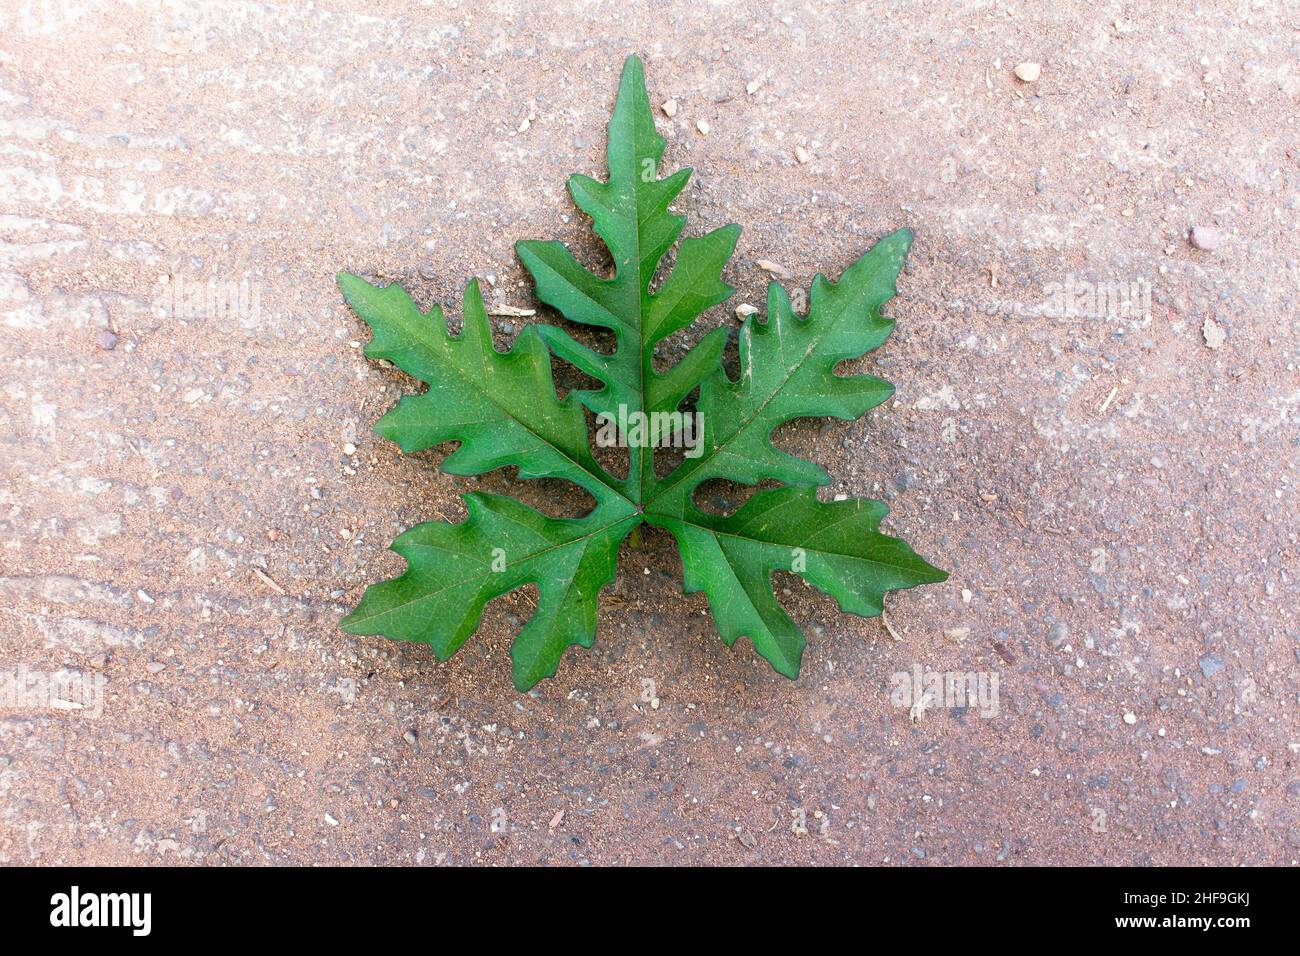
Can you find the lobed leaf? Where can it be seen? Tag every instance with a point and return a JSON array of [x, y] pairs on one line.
[[501, 407], [502, 410], [836, 546], [455, 569], [630, 213], [787, 371]]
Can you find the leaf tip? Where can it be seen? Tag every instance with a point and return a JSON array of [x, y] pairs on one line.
[[789, 664], [350, 284], [633, 67]]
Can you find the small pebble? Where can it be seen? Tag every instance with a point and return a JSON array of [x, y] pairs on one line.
[[802, 155], [410, 737], [349, 449], [1130, 718], [155, 667], [753, 86], [106, 340], [669, 108], [745, 310], [703, 127], [1028, 72], [1210, 665], [1214, 334], [1205, 238]]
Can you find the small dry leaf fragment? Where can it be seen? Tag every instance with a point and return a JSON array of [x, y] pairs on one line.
[[502, 309], [268, 581], [774, 268], [1110, 397]]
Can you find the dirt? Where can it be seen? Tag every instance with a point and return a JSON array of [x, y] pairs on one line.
[[182, 526]]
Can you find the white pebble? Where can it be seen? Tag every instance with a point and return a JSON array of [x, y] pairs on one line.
[[703, 127], [1214, 334], [1205, 238], [1028, 72]]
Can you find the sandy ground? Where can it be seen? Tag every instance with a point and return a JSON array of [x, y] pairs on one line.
[[191, 498]]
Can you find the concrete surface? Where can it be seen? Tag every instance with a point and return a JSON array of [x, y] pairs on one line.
[[1114, 493]]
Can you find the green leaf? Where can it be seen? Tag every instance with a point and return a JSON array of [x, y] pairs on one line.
[[501, 407], [455, 569], [503, 410], [630, 213], [835, 546], [787, 371]]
